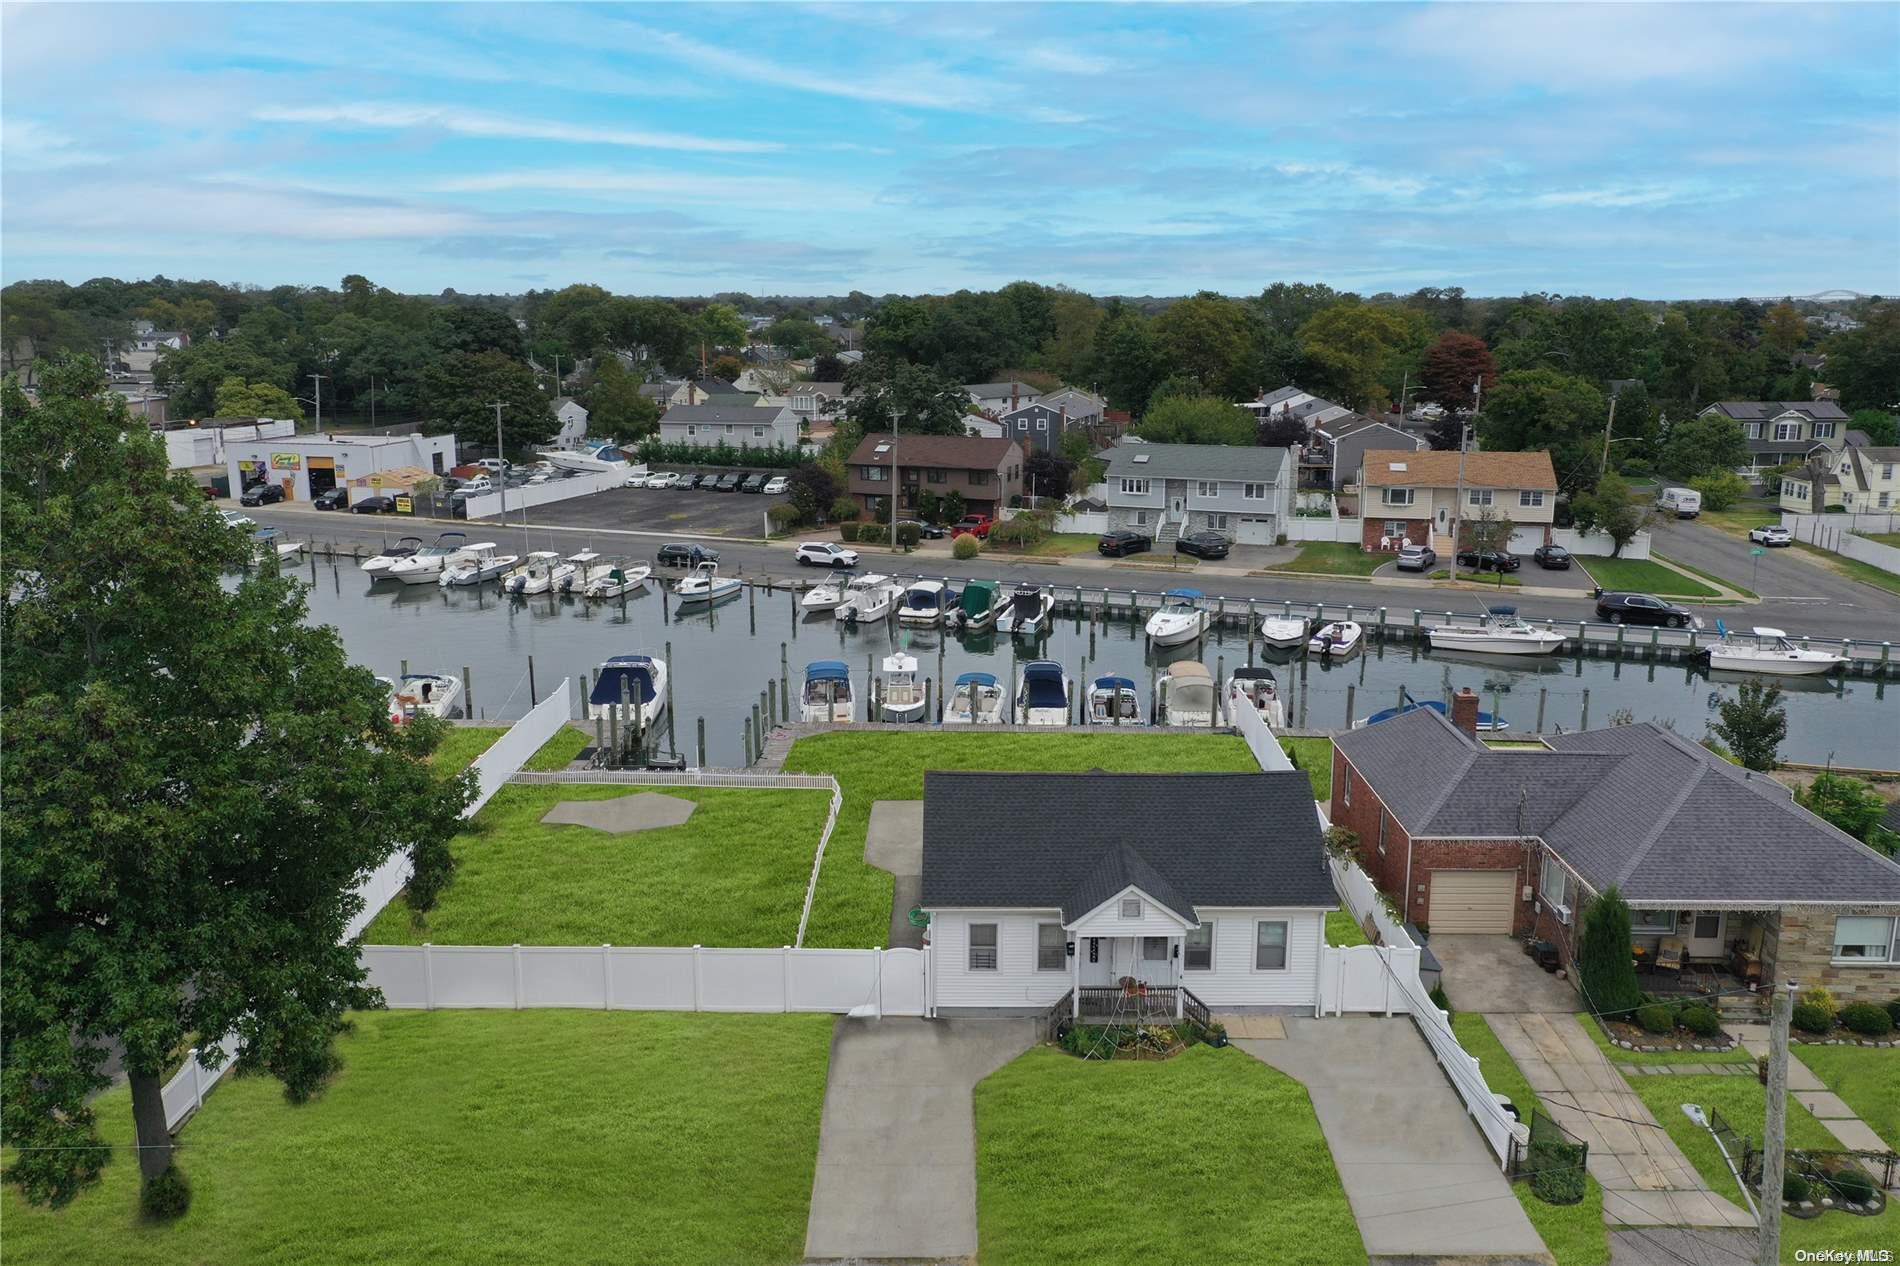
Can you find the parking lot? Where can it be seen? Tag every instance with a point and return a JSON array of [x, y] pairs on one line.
[[689, 513]]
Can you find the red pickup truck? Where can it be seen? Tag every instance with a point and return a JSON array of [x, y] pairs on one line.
[[977, 525]]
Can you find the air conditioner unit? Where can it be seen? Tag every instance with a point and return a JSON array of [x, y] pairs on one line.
[[1562, 913]]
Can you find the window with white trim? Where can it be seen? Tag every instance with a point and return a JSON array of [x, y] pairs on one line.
[[1751, 430], [1663, 921], [871, 474], [1131, 907], [1885, 500], [1399, 496], [1382, 818], [1479, 496], [1395, 527], [1198, 951], [1787, 430], [1141, 518], [1346, 791], [1254, 492], [1051, 947], [1218, 522], [1555, 884], [1154, 949], [1207, 487], [1135, 487], [1530, 497], [758, 432], [1823, 430], [1269, 945], [982, 947], [1858, 938], [1042, 424]]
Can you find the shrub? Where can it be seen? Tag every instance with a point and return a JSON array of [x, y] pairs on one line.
[[1810, 1018], [1867, 1019], [1821, 998], [1215, 1034], [1851, 1185], [1655, 1018], [1761, 1069], [965, 547], [1701, 1021], [845, 510], [1893, 1011], [1603, 964], [1439, 999], [908, 535], [165, 1197], [1558, 1184], [1794, 1188], [784, 516], [1021, 532]]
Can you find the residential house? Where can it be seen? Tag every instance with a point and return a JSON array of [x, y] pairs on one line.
[[695, 392], [988, 428], [1162, 490], [998, 398], [730, 423], [1715, 860], [813, 400], [572, 415], [1408, 495], [1336, 450], [1083, 408], [1128, 895], [1784, 432], [1291, 402], [986, 473], [1038, 426], [1859, 479]]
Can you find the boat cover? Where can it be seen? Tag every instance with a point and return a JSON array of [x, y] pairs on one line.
[[635, 670], [971, 679], [827, 670], [978, 597], [1042, 685]]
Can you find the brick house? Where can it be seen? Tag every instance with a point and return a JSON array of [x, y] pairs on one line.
[[987, 473], [1413, 496], [1468, 839]]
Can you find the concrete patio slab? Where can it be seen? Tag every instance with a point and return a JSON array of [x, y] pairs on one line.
[[1258, 1028], [646, 811], [1491, 974], [1824, 1104]]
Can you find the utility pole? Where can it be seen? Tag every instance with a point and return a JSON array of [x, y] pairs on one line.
[[318, 398], [501, 476], [372, 402], [1458, 497], [1774, 1143], [1607, 428], [893, 481]]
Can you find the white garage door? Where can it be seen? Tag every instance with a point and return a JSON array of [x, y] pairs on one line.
[[1473, 900], [1255, 531]]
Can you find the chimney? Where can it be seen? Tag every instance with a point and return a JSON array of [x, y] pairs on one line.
[[1015, 394], [1464, 711]]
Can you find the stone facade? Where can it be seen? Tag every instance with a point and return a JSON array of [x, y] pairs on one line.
[[1804, 951]]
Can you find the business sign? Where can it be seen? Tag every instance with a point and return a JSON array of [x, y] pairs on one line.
[[405, 505], [285, 461]]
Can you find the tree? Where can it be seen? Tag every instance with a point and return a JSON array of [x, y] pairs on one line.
[[1355, 346], [1211, 337], [886, 392], [171, 857], [1197, 420], [1702, 445], [1865, 363], [1752, 724], [726, 368], [1280, 432], [1852, 805], [812, 489], [461, 392], [1453, 366], [1604, 968], [827, 368], [1783, 330], [616, 407], [1047, 474], [797, 337], [1489, 529], [720, 325], [1612, 508], [475, 329], [239, 399], [1720, 490], [1126, 362], [1882, 427], [1539, 408]]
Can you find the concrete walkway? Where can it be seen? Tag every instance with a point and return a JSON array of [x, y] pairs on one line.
[[1420, 1179], [1812, 1093], [894, 841], [1646, 1179], [896, 1175]]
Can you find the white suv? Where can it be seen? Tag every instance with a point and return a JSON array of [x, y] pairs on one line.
[[1413, 557], [1771, 534], [825, 554]]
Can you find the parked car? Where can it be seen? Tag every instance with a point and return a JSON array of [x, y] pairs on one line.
[[495, 465], [374, 505], [1122, 541], [776, 484], [1551, 557], [928, 531], [1413, 557], [638, 481], [728, 482], [825, 554], [691, 481], [662, 479], [233, 519], [1771, 534], [473, 488], [977, 525], [1685, 502], [1488, 560], [1202, 544], [753, 483], [1642, 608], [261, 495], [680, 554], [332, 499]]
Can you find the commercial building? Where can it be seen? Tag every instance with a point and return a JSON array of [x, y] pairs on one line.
[[306, 466]]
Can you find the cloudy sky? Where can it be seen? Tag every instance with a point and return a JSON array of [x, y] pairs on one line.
[[1663, 151]]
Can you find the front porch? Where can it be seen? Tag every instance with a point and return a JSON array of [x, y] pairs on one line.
[[1130, 1003]]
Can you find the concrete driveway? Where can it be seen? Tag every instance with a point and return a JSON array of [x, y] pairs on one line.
[[1421, 1181], [1492, 974], [896, 1174]]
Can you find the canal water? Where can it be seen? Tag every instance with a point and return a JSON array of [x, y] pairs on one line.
[[722, 659]]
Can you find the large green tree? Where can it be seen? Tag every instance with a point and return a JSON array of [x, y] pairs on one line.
[[885, 391], [1753, 724], [615, 405], [1189, 419], [462, 390], [798, 337], [1355, 348], [1865, 363], [1532, 409], [720, 325], [1126, 363], [1613, 508], [239, 399], [197, 781], [1211, 338], [1702, 445]]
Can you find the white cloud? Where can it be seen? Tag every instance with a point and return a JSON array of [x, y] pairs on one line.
[[1053, 114], [462, 122], [1063, 61], [1642, 196], [758, 192], [29, 143]]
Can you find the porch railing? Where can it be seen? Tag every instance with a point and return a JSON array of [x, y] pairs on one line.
[[1138, 1004]]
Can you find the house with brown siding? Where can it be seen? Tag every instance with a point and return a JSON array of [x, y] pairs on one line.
[[1716, 860], [987, 473]]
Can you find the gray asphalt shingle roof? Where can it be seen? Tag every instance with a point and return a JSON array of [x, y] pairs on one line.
[[1193, 461], [1059, 841]]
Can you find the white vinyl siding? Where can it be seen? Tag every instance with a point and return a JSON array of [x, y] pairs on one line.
[[1111, 920], [1233, 982], [1015, 983]]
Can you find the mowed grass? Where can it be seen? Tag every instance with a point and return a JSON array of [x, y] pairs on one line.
[[1333, 558], [733, 874], [1060, 545], [1868, 1080], [1617, 1055], [1314, 757], [1574, 1233], [558, 752], [1343, 929], [1210, 1157], [481, 1137], [852, 907], [1641, 575], [462, 744]]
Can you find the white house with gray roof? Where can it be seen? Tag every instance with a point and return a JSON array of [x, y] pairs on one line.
[[737, 424], [1162, 490]]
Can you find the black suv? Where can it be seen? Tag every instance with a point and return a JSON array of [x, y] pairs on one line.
[[1488, 560], [680, 554], [332, 498], [1641, 608], [1122, 541], [261, 495], [1202, 544], [1551, 557], [753, 483]]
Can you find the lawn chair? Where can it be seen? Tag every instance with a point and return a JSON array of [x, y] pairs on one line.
[[1669, 955]]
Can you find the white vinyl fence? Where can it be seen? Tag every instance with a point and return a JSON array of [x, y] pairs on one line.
[[1830, 532], [527, 496], [1312, 528], [1259, 739], [1593, 545], [649, 978], [1091, 522], [1365, 978]]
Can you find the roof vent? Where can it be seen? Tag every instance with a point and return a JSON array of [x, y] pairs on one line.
[[1140, 458]]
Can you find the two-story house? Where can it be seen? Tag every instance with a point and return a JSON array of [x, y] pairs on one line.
[[986, 473], [690, 392], [1084, 408], [572, 415], [1336, 450], [1858, 479], [998, 398], [735, 423], [1783, 432], [1163, 490], [1407, 495], [811, 401], [1038, 426]]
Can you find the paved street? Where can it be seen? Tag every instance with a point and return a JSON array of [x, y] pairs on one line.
[[1783, 577]]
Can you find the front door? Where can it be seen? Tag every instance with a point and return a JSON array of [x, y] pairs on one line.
[[1178, 505], [1701, 932], [1097, 966]]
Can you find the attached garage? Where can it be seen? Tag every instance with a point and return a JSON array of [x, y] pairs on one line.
[[1473, 900], [1255, 530]]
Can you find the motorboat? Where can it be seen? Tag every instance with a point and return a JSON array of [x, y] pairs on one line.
[[424, 694], [1285, 631], [1030, 611], [1769, 651], [867, 599], [475, 563], [270, 544], [407, 547], [535, 575], [1255, 684], [827, 694], [512, 579], [1501, 632], [927, 602], [705, 584], [975, 699], [641, 679], [424, 567], [980, 604], [600, 457], [573, 573], [614, 578], [1114, 701], [1042, 694], [1486, 721], [1185, 695], [900, 693], [1180, 619], [824, 596], [1341, 637]]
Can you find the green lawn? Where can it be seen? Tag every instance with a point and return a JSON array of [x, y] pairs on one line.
[[1618, 1055], [852, 907], [1745, 515], [1574, 1233], [1869, 1081], [559, 751], [1334, 558], [1853, 569], [733, 874], [1087, 1162], [479, 1137], [1882, 538], [1061, 545], [1712, 578], [1643, 576], [1314, 756], [463, 743], [1343, 929]]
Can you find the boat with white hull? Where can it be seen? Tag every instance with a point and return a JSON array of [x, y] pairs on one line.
[[475, 564], [1256, 686], [1180, 619], [574, 575], [424, 567], [640, 679], [613, 578], [1114, 701], [975, 699], [424, 694], [1185, 695], [926, 603], [823, 596], [407, 547], [1501, 632], [705, 585], [978, 607], [1487, 723], [826, 697], [535, 575], [900, 695], [1042, 694], [1031, 609], [1341, 637], [1285, 631], [600, 457], [868, 599], [1769, 651]]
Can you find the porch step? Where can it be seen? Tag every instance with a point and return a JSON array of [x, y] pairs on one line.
[[1167, 533]]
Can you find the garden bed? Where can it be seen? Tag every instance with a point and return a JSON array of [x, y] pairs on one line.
[[1135, 1041], [1668, 1025]]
